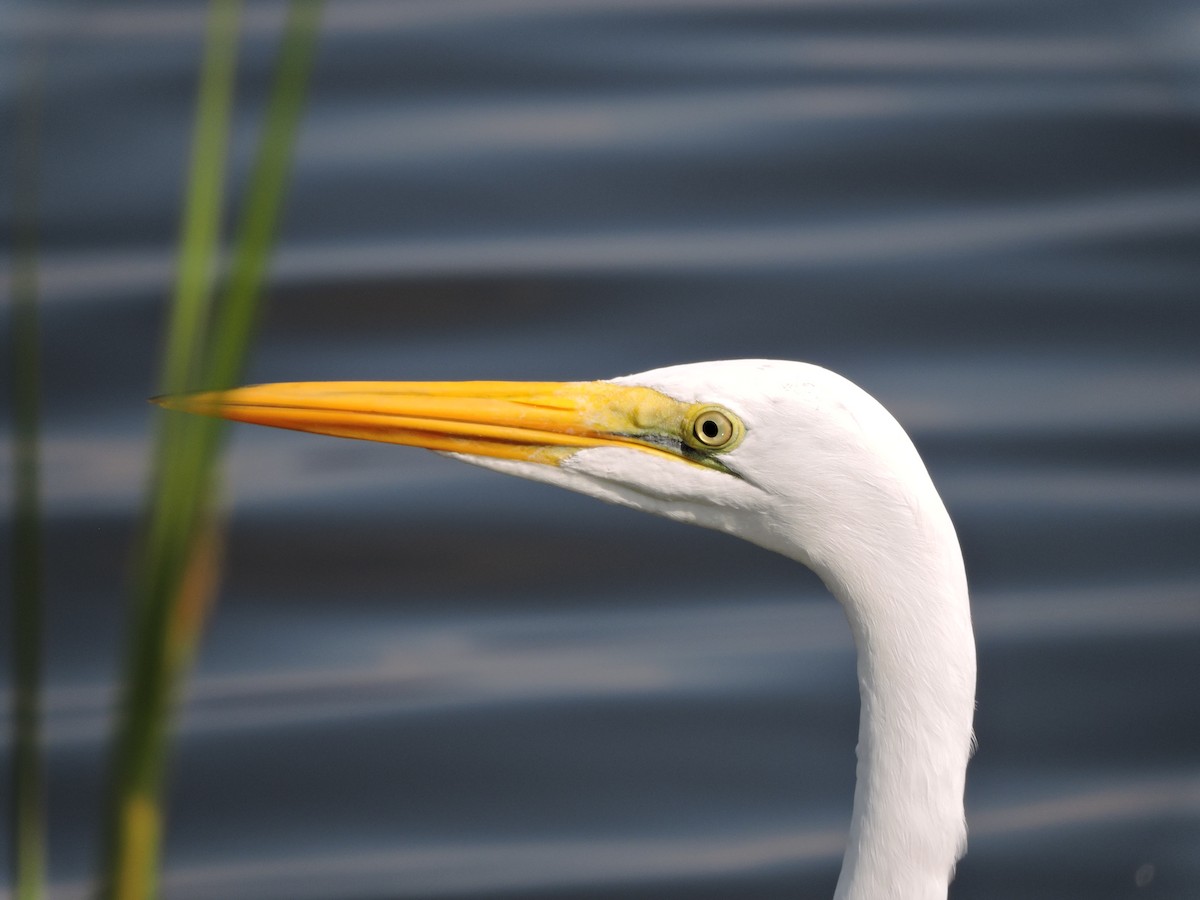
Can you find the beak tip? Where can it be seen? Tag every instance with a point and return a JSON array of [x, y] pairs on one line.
[[177, 402]]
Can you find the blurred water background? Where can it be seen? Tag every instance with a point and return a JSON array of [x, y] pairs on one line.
[[424, 680]]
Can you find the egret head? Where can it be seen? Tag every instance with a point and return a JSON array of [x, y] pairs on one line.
[[784, 454]]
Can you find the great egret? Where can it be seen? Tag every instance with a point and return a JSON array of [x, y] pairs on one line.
[[787, 455]]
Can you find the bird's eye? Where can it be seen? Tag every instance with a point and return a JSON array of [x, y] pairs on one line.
[[713, 428]]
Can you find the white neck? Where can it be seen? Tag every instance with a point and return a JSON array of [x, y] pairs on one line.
[[909, 614], [899, 576]]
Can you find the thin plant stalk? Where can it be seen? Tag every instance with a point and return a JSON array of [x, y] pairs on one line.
[[28, 807], [134, 823], [180, 559]]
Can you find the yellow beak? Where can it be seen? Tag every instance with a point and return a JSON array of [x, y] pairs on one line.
[[541, 422]]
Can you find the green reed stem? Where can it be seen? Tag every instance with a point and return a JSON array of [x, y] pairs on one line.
[[179, 564], [178, 505]]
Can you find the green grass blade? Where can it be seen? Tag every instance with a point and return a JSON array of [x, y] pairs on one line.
[[180, 498], [180, 558], [27, 808]]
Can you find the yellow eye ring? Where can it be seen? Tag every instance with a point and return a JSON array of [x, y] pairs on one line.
[[713, 428]]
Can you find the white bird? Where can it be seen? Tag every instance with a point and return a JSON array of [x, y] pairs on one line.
[[786, 455]]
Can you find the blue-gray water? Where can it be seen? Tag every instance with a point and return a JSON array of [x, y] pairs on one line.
[[425, 680]]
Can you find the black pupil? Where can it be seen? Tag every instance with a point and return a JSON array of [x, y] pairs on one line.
[[710, 428]]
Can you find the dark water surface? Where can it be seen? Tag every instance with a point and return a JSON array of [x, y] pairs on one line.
[[427, 681]]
